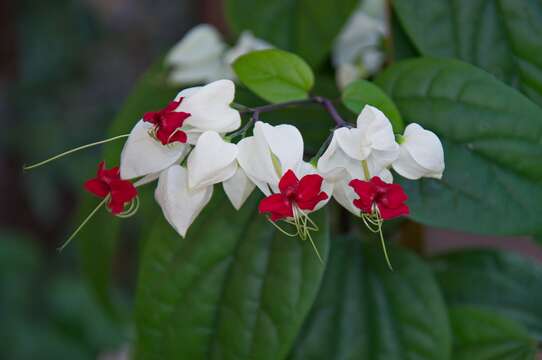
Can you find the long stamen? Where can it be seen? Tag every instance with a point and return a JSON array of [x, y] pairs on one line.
[[74, 150], [374, 223], [305, 225], [281, 229], [83, 223]]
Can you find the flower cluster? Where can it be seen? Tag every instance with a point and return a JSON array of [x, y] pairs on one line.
[[189, 147]]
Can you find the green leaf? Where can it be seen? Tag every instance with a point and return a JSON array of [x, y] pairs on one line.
[[234, 288], [497, 280], [97, 242], [485, 335], [275, 75], [492, 145], [500, 36], [306, 27], [366, 311], [363, 92]]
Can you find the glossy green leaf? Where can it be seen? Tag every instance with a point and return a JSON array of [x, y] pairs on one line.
[[497, 280], [485, 335], [306, 27], [501, 36], [492, 137], [365, 311], [363, 92], [235, 288], [275, 75], [97, 242]]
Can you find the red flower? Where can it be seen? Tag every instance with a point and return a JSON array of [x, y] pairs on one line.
[[108, 182], [389, 198], [305, 193], [167, 123]]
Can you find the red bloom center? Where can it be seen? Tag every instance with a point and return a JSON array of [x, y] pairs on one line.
[[305, 194], [167, 123], [108, 182], [388, 198]]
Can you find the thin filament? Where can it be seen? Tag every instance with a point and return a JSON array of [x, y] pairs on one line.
[[83, 223], [74, 150]]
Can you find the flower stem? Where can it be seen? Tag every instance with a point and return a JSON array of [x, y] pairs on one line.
[[83, 223], [325, 102], [330, 108], [29, 167]]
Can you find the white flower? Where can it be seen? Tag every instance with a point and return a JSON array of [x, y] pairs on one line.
[[267, 155], [202, 56], [270, 153], [198, 57], [208, 109], [238, 188], [421, 154], [212, 161], [180, 204], [246, 43], [359, 153], [357, 52]]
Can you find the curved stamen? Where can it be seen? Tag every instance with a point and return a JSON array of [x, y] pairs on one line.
[[132, 209], [29, 167], [303, 225]]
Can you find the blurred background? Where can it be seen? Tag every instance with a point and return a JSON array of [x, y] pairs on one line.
[[66, 67]]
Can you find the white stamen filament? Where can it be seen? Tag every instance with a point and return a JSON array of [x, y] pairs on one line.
[[102, 203], [373, 222], [303, 226], [74, 150]]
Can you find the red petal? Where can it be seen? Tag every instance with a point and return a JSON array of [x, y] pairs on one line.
[[288, 181], [277, 206], [311, 203], [123, 191], [172, 106], [309, 187], [151, 117], [101, 167], [163, 136], [390, 213], [115, 206], [179, 136], [394, 197], [97, 187], [309, 192], [173, 120]]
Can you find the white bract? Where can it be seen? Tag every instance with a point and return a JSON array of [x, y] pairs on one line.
[[198, 57], [209, 109], [358, 50], [421, 154], [270, 153], [246, 43], [203, 56], [359, 153], [180, 204], [267, 155]]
